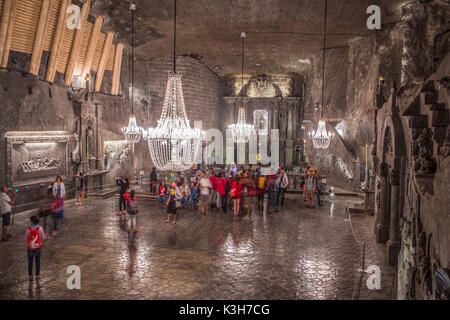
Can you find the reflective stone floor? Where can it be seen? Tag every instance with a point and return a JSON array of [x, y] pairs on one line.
[[297, 253]]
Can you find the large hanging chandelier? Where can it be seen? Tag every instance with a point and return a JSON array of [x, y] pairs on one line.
[[321, 138], [133, 132], [173, 143], [241, 131]]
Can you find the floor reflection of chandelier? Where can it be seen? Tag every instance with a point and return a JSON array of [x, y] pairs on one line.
[[132, 133], [321, 138], [241, 131], [173, 143]]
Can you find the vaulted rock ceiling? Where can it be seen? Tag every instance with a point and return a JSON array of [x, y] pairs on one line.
[[280, 33]]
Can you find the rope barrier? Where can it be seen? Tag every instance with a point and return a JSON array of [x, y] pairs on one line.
[[363, 249]]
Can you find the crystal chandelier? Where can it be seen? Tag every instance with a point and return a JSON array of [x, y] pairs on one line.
[[241, 131], [132, 133], [173, 143], [321, 138]]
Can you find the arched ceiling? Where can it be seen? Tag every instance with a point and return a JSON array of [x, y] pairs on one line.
[[280, 33]]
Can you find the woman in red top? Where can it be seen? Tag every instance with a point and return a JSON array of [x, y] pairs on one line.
[[221, 184], [236, 194]]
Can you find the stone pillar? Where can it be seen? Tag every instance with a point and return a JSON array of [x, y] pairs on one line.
[[393, 245], [381, 228]]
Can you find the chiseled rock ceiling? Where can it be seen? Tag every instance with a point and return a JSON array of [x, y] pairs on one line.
[[279, 32]]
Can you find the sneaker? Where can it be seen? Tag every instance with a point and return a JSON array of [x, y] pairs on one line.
[[54, 233], [119, 213]]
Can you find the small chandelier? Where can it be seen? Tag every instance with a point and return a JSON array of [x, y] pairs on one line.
[[173, 143], [132, 133], [321, 137], [241, 131]]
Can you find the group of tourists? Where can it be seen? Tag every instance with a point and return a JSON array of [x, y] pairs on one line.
[[239, 190], [313, 185], [244, 189]]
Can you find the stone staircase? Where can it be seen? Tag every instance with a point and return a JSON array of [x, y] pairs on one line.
[[428, 121]]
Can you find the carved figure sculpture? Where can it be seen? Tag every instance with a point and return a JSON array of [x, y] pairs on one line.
[[424, 163]]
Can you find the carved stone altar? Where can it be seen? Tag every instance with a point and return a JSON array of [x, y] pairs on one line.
[[37, 157]]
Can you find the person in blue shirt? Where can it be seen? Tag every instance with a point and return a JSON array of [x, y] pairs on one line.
[[193, 196]]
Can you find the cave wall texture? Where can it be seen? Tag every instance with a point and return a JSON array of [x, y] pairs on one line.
[[412, 57]]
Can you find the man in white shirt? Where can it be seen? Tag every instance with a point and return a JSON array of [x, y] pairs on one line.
[[205, 185], [5, 208]]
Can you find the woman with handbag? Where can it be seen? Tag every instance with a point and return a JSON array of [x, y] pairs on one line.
[[59, 193]]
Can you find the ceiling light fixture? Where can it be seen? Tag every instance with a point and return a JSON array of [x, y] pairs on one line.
[[241, 131], [321, 138], [133, 132], [173, 143]]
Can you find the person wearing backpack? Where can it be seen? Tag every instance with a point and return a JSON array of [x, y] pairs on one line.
[[34, 237], [310, 186], [131, 210], [281, 185]]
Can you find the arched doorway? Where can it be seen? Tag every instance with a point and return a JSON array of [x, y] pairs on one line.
[[390, 182]]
